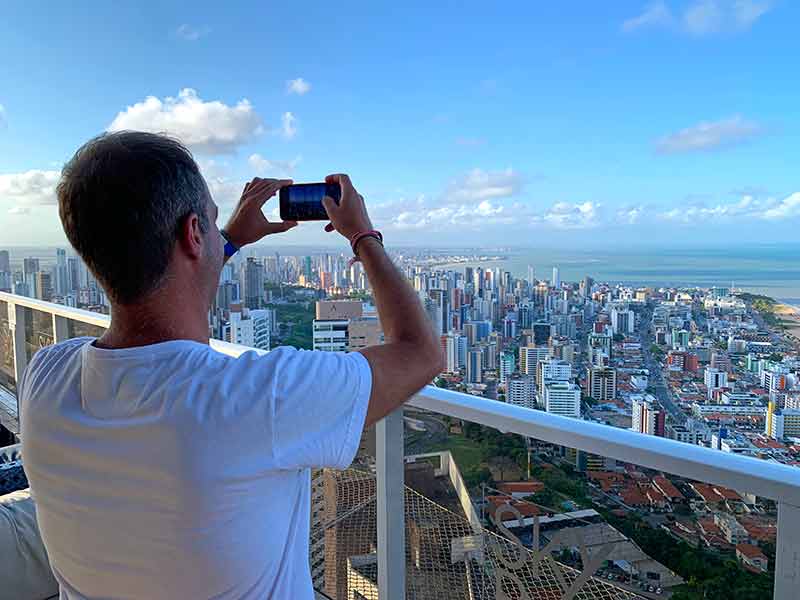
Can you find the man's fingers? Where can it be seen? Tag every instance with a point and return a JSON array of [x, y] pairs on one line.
[[343, 181], [271, 189], [329, 227], [330, 205], [280, 227]]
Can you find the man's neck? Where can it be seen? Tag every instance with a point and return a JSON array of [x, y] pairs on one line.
[[150, 323]]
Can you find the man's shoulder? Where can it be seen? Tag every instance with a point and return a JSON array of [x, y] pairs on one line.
[[49, 359], [68, 347]]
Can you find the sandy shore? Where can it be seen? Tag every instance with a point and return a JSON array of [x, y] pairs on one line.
[[791, 317]]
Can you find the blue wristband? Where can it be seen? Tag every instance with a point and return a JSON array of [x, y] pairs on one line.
[[230, 247]]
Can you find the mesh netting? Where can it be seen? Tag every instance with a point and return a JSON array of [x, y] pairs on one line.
[[446, 557]]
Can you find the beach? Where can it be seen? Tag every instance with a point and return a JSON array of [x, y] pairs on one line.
[[790, 315]]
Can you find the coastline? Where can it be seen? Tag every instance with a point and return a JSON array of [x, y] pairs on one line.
[[790, 315]]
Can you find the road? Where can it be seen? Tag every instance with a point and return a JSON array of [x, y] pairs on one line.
[[662, 392], [435, 432]]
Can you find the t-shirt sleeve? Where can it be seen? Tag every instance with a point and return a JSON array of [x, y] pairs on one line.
[[318, 407]]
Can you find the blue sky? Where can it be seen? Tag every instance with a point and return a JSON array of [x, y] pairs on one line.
[[570, 123]]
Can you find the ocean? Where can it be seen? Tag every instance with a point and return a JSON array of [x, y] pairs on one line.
[[772, 270]]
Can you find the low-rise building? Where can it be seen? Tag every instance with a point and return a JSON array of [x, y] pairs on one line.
[[752, 556]]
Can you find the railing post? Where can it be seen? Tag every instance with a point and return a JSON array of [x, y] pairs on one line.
[[787, 552], [391, 507], [60, 329], [16, 324]]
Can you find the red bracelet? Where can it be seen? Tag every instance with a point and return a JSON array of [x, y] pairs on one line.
[[354, 241]]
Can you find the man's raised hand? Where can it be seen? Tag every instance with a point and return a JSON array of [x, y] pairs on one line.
[[248, 224]]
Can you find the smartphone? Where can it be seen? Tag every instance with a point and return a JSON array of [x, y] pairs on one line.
[[303, 201]]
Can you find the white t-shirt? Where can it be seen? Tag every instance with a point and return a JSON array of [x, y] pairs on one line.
[[174, 471]]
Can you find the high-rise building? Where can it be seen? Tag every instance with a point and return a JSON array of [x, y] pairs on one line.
[[600, 342], [252, 283], [507, 366], [556, 280], [521, 391], [510, 326], [782, 423], [552, 371], [562, 348], [249, 327], [61, 283], [43, 286], [363, 332], [331, 327], [714, 379], [6, 281], [586, 286], [645, 418], [601, 383], [452, 354], [562, 398], [774, 378], [30, 266], [680, 338], [530, 357], [531, 275], [474, 366], [541, 333], [622, 321], [721, 361]]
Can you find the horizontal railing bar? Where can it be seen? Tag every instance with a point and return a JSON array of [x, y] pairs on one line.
[[741, 473], [76, 314]]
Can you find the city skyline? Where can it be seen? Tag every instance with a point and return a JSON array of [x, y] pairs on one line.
[[633, 124]]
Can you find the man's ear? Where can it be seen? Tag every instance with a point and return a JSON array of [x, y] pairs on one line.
[[190, 237]]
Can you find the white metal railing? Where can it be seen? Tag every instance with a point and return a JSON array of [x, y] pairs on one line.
[[762, 478]]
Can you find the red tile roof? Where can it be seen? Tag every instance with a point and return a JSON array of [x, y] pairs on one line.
[[633, 497], [667, 488], [521, 487], [750, 551], [526, 509]]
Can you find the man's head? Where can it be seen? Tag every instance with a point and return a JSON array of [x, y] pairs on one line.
[[136, 208]]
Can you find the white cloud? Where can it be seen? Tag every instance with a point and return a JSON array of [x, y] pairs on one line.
[[629, 215], [210, 127], [288, 127], [747, 12], [276, 168], [3, 121], [190, 33], [565, 215], [709, 135], [480, 185], [701, 17], [654, 15], [298, 86], [20, 191], [785, 209], [746, 208], [224, 189]]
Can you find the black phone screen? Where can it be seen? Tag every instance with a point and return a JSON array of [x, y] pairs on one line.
[[303, 201]]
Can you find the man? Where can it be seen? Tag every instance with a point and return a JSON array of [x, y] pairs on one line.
[[161, 468]]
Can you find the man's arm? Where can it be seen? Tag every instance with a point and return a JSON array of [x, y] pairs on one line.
[[412, 355]]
